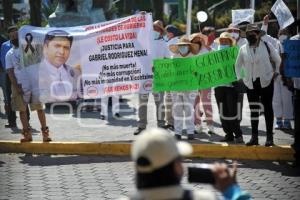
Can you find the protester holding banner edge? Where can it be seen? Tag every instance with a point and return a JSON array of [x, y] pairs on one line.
[[19, 83], [227, 100], [204, 96], [183, 102], [160, 51]]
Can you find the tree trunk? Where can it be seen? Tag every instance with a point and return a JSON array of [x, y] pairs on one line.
[[7, 12], [158, 9], [35, 12]]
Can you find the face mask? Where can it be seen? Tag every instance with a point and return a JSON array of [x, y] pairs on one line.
[[223, 46], [211, 38], [183, 50], [156, 35], [15, 42], [282, 38], [235, 35], [251, 39]]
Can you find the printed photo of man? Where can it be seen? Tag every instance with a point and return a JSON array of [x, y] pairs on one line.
[[55, 80]]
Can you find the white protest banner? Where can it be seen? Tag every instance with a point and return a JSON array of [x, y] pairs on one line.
[[242, 15], [92, 61], [119, 58], [283, 14]]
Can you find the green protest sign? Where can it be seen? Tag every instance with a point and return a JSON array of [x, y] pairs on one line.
[[197, 72]]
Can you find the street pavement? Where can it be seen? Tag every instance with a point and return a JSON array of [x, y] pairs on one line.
[[94, 177], [27, 176], [68, 124]]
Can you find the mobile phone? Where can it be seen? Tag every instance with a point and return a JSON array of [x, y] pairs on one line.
[[201, 174]]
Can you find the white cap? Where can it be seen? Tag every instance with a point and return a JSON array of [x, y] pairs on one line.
[[155, 148]]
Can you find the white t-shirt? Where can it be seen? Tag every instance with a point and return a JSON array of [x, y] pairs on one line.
[[12, 61], [161, 49]]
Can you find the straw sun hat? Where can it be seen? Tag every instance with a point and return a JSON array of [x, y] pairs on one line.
[[184, 41], [225, 35], [203, 38]]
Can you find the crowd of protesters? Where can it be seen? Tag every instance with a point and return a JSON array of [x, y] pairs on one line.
[[260, 55]]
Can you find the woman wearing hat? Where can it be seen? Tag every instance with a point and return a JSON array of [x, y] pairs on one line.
[[256, 60], [236, 34], [227, 100], [203, 96], [183, 101]]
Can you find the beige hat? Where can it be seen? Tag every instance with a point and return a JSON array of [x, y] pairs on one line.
[[184, 41], [233, 27], [254, 27], [156, 148], [159, 24], [202, 37], [227, 36]]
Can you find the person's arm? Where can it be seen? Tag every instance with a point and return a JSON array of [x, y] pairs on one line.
[[11, 74], [238, 64], [226, 182], [266, 37], [275, 56]]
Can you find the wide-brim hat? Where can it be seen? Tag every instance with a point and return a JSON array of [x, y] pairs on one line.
[[184, 41], [159, 24], [155, 149], [254, 27], [203, 38], [233, 27], [225, 35]]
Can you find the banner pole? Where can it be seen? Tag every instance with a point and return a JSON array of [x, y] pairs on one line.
[[188, 18]]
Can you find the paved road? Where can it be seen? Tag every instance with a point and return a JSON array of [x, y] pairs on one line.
[[91, 177], [71, 125]]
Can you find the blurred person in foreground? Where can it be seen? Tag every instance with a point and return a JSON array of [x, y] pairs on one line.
[[159, 169]]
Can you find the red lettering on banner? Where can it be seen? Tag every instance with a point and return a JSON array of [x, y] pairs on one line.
[[121, 88], [116, 37]]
